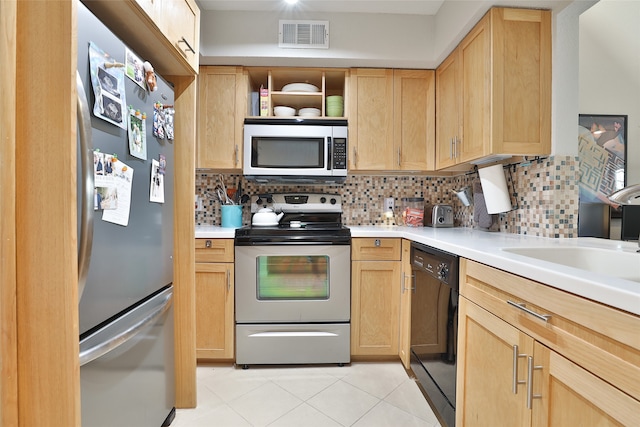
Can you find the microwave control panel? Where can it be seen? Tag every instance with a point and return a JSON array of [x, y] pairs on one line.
[[339, 153]]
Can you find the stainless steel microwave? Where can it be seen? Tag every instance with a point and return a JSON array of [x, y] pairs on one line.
[[295, 150]]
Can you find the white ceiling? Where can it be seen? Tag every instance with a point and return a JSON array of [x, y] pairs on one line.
[[412, 7]]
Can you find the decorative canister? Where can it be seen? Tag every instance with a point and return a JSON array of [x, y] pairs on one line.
[[411, 212]]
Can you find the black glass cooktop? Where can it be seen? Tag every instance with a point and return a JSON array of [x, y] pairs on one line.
[[294, 233]]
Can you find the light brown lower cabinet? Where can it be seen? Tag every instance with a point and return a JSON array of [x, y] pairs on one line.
[[532, 355], [214, 299], [571, 395], [375, 297]]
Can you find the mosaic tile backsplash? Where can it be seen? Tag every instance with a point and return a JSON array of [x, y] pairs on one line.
[[544, 193]]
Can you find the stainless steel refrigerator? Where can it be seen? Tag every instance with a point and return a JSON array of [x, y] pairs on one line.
[[126, 271]]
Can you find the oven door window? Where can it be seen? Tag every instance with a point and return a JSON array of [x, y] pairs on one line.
[[292, 277], [284, 152]]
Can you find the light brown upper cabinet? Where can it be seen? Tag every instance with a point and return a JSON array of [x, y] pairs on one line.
[[182, 28], [140, 22], [222, 105], [493, 93], [391, 120], [179, 21]]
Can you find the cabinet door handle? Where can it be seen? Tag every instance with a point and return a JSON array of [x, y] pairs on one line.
[[228, 280], [189, 48], [516, 382], [404, 279], [355, 156], [455, 147], [235, 155], [522, 306], [530, 368], [398, 157], [451, 148]]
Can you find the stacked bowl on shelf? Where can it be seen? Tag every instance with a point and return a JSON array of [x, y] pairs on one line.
[[309, 112], [335, 106], [284, 111]]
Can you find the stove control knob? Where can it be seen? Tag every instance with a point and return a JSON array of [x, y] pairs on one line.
[[323, 199], [259, 201], [443, 271], [333, 201], [269, 199]]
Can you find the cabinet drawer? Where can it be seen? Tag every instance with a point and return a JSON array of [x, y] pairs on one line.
[[369, 249], [601, 339], [214, 250]]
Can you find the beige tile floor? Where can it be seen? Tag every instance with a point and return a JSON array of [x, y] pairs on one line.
[[362, 394]]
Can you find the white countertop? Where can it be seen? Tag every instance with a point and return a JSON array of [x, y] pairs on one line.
[[214, 232], [486, 248]]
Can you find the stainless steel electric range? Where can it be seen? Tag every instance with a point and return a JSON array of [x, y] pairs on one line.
[[293, 282]]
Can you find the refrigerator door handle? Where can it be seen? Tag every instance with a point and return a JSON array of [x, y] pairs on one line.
[[111, 342], [86, 159]]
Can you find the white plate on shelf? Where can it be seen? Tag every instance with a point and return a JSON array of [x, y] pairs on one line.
[[300, 87]]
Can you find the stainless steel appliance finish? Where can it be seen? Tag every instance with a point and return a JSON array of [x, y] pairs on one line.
[[126, 385], [293, 263], [307, 151], [434, 324], [293, 283], [438, 215], [125, 309]]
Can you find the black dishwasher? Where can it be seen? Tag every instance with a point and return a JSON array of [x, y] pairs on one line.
[[434, 327]]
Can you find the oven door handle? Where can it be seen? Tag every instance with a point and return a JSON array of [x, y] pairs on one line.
[[293, 334]]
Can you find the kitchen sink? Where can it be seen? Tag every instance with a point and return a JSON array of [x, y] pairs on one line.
[[624, 265]]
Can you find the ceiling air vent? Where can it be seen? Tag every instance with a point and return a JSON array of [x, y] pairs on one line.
[[304, 34]]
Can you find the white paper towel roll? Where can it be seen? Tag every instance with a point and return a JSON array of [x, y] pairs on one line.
[[494, 187]]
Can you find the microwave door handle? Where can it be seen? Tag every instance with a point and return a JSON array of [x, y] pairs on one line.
[[329, 153]]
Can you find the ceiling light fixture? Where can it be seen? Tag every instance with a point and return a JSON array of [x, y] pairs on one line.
[[291, 1]]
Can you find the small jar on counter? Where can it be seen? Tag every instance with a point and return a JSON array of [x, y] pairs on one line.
[[411, 212]]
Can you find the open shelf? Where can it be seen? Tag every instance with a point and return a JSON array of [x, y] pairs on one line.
[[329, 81]]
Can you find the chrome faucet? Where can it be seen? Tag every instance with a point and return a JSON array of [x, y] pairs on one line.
[[629, 195]]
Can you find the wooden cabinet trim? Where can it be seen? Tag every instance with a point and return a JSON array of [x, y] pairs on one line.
[[406, 284]]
